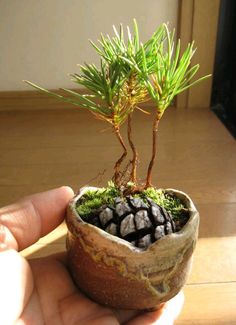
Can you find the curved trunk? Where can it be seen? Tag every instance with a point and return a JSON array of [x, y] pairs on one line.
[[154, 149], [135, 153], [117, 174]]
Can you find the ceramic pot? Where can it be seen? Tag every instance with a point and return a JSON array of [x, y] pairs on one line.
[[115, 273]]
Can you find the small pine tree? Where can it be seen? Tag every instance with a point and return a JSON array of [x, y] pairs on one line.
[[131, 73]]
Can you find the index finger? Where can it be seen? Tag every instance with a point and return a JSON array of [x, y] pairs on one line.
[[26, 221]]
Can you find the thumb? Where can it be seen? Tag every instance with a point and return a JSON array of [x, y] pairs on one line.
[[24, 222]]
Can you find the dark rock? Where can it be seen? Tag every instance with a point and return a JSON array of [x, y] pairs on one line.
[[165, 214], [127, 225], [157, 214], [105, 216], [169, 219], [168, 228], [145, 241], [137, 203], [122, 208], [94, 220], [118, 200], [142, 220], [112, 229], [159, 232]]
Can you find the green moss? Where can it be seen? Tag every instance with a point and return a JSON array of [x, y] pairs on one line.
[[170, 202], [93, 199]]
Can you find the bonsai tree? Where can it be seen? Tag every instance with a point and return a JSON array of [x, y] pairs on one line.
[[131, 73], [122, 247]]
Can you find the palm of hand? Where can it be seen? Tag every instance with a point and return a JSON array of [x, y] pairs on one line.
[[49, 296], [56, 300]]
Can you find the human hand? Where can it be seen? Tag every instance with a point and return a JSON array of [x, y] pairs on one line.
[[41, 291]]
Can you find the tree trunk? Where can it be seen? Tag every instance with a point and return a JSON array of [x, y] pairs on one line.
[[135, 153], [154, 149], [117, 173]]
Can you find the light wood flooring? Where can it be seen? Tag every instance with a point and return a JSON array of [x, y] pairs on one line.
[[43, 149]]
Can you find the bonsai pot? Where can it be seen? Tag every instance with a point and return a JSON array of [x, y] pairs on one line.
[[132, 255], [115, 273]]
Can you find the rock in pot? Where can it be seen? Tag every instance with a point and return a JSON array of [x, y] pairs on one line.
[[115, 273]]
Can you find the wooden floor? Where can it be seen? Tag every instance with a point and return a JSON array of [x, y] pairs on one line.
[[43, 149]]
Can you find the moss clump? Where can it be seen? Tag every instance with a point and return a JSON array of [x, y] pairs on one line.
[[94, 199], [166, 200]]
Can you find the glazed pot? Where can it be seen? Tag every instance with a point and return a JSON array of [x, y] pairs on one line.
[[115, 273]]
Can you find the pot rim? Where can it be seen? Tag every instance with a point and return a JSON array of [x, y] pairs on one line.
[[73, 219]]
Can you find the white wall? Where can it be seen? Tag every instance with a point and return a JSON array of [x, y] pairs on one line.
[[43, 40]]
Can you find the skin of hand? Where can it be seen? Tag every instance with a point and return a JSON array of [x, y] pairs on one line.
[[41, 291]]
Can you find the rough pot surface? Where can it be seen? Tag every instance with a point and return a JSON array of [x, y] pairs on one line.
[[115, 273]]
